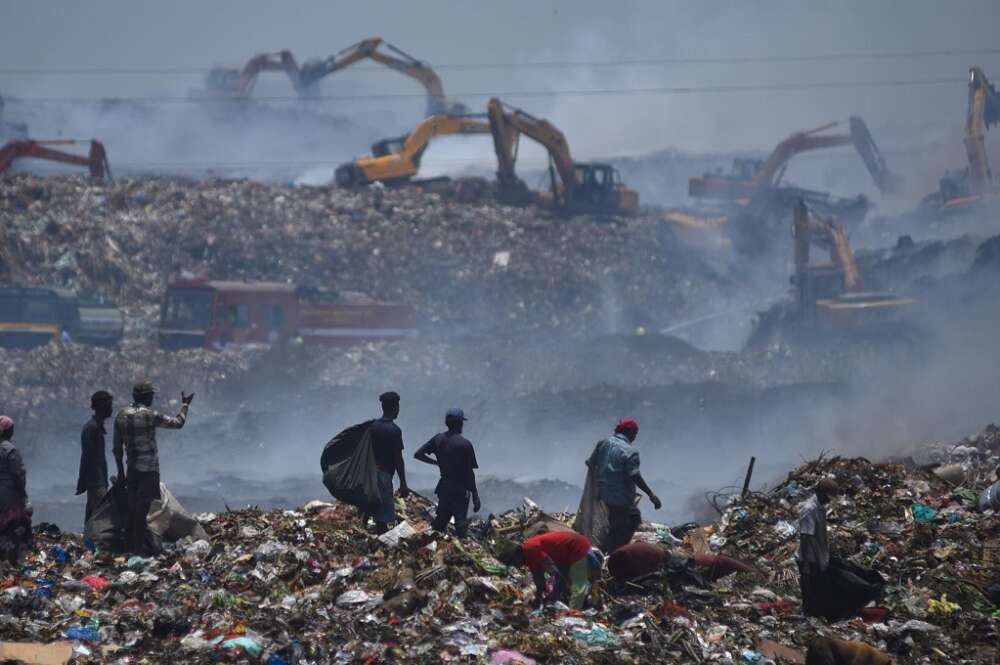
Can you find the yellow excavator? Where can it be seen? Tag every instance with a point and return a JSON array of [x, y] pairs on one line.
[[396, 160], [967, 189], [751, 176], [830, 296], [391, 56], [239, 83], [576, 187]]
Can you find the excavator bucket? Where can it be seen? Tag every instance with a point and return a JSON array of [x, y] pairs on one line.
[[887, 182], [991, 110]]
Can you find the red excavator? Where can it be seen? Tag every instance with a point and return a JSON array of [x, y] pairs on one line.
[[231, 82], [96, 159], [751, 176]]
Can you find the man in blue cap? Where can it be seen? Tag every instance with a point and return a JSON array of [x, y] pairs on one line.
[[454, 455]]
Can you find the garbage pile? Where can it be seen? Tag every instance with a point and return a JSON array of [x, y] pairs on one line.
[[48, 382], [478, 266], [311, 586]]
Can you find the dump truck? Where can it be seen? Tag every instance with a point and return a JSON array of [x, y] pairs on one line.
[[33, 316], [396, 160], [214, 314], [576, 187]]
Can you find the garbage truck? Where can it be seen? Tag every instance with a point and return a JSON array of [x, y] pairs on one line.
[[32, 316], [215, 314]]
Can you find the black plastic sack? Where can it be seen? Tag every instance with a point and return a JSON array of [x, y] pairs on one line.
[[354, 480], [106, 526], [342, 446]]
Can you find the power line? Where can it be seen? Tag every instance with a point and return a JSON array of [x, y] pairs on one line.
[[596, 92], [547, 64]]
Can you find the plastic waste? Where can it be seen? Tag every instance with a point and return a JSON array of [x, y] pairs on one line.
[[507, 657], [353, 597], [95, 582], [400, 532], [83, 634], [923, 513]]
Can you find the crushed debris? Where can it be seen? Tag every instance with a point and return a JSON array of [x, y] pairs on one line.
[[309, 586]]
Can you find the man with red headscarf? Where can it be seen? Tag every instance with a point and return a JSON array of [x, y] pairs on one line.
[[615, 464]]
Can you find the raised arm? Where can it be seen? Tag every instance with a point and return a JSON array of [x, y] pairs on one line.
[[175, 422]]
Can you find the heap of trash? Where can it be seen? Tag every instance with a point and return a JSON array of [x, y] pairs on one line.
[[310, 585], [479, 265]]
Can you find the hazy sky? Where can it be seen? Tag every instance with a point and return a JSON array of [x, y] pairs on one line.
[[188, 33]]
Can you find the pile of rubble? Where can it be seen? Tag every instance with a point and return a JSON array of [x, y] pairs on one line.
[[472, 266], [310, 586]]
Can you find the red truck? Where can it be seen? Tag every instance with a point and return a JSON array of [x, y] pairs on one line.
[[214, 314]]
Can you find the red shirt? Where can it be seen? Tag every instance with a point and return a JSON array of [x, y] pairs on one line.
[[564, 548]]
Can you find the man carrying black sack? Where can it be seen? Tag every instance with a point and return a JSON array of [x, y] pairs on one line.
[[456, 458], [832, 588], [93, 476], [387, 447]]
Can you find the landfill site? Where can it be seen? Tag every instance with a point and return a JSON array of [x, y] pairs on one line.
[[700, 334]]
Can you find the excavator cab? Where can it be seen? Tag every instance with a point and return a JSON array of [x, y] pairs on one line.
[[389, 146], [598, 187]]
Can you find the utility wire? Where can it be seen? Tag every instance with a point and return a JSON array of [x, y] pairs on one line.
[[594, 92], [550, 64]]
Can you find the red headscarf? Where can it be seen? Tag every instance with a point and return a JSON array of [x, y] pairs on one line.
[[6, 422], [627, 424]]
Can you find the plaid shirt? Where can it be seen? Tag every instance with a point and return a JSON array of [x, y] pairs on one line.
[[135, 431]]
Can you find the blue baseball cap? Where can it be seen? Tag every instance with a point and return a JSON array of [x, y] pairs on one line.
[[455, 414]]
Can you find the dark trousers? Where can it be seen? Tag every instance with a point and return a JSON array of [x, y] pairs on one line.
[[622, 523], [143, 489], [94, 496], [840, 591], [452, 503]]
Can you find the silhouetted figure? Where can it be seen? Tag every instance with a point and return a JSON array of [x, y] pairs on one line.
[[93, 476], [456, 458], [387, 448], [15, 511], [135, 432]]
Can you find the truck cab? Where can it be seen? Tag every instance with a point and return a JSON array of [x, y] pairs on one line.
[[218, 314]]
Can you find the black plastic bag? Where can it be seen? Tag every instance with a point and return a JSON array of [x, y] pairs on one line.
[[354, 480], [342, 446], [106, 526]]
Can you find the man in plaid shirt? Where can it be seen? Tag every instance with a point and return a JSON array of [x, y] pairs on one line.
[[135, 432]]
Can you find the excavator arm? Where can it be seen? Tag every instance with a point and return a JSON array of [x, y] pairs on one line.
[[769, 172], [811, 229], [392, 57], [240, 82], [580, 186], [403, 165], [96, 160], [984, 110], [507, 127]]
